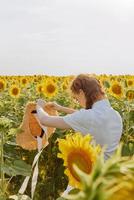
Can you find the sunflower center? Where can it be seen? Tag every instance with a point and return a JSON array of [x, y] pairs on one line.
[[81, 160], [50, 88], [1, 85], [15, 91], [40, 88], [116, 89], [130, 95], [24, 81], [130, 82]]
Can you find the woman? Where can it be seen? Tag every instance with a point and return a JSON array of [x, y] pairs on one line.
[[96, 116]]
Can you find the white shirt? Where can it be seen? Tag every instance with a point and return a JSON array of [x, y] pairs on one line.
[[101, 121]]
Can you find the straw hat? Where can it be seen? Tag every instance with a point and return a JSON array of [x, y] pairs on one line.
[[30, 128]]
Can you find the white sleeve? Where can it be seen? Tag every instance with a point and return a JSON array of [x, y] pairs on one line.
[[80, 120]]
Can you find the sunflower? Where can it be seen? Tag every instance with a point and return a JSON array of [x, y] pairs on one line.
[[76, 149], [65, 84], [130, 82], [130, 95], [2, 85], [39, 88], [14, 91], [116, 89], [50, 88], [110, 179], [24, 81]]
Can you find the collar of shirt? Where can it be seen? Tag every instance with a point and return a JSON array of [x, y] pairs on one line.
[[101, 103]]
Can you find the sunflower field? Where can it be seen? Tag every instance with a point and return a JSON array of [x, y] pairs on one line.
[[16, 163]]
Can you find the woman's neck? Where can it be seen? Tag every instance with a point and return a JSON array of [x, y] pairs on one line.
[[101, 97]]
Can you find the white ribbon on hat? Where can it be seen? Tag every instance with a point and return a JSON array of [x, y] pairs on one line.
[[35, 162]]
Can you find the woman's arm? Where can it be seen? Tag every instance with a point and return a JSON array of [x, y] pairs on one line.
[[56, 106], [66, 110], [60, 108], [50, 121]]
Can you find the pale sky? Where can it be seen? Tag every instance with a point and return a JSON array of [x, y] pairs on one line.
[[62, 37]]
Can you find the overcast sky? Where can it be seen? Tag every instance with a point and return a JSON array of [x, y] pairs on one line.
[[62, 37]]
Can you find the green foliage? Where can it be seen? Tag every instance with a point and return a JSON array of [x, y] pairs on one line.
[[126, 110], [16, 167]]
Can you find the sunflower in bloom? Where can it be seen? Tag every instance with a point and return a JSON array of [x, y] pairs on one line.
[[24, 81], [2, 85], [77, 150], [14, 91], [50, 88], [130, 82], [39, 88], [130, 95], [116, 89], [65, 84]]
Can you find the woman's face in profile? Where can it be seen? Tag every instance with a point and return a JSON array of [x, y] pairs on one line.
[[80, 98]]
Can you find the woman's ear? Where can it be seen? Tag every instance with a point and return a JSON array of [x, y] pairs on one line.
[[81, 91]]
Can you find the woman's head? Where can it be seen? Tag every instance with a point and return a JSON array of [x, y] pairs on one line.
[[87, 90]]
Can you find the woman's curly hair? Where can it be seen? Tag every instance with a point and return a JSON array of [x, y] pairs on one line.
[[90, 86]]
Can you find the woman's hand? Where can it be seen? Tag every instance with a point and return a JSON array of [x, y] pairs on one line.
[[58, 107], [41, 102], [54, 105]]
